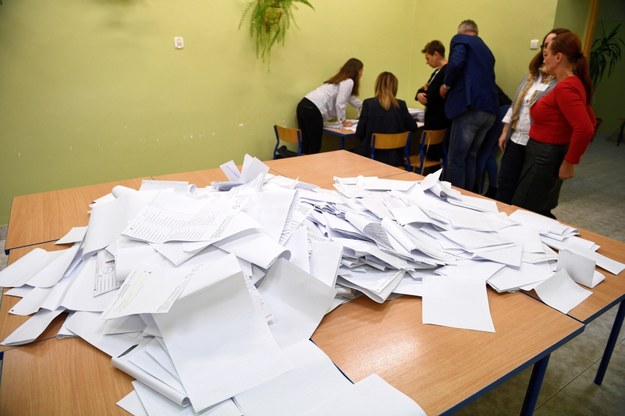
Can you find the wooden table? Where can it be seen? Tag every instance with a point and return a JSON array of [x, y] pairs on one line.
[[441, 368], [48, 216], [340, 132], [604, 296], [61, 377], [321, 168]]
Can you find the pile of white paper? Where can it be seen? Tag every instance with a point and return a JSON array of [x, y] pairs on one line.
[[208, 297]]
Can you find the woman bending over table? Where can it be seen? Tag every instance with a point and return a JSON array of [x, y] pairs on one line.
[[327, 102]]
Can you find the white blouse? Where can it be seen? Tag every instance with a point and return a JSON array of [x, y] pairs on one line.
[[332, 99], [520, 135]]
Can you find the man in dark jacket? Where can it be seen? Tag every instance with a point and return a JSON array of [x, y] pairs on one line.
[[471, 102]]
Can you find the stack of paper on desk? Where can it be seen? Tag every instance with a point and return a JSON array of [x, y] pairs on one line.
[[208, 297]]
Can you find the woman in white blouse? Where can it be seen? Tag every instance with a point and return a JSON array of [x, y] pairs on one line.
[[327, 102], [516, 127]]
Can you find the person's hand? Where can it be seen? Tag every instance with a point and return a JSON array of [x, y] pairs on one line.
[[502, 142], [347, 123], [422, 98], [567, 170], [504, 136], [443, 90]]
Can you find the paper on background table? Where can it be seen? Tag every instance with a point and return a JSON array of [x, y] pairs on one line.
[[219, 342]]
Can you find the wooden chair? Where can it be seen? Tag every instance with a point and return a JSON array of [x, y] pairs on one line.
[[429, 138], [390, 141], [289, 135]]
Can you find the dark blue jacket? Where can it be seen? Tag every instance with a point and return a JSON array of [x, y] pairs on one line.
[[471, 77]]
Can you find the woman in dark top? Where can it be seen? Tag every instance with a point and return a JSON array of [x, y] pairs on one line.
[[384, 114], [429, 95]]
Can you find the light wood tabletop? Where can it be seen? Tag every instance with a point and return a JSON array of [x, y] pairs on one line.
[[321, 168], [48, 216], [61, 377], [440, 367]]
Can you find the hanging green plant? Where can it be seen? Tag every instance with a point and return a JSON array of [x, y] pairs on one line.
[[269, 22]]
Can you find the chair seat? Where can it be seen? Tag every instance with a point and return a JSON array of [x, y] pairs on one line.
[[427, 163]]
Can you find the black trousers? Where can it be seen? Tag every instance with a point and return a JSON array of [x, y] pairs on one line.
[[510, 171], [310, 122], [539, 184]]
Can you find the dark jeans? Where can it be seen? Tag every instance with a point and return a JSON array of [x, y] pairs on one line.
[[510, 171], [539, 184], [487, 155], [310, 122], [467, 134]]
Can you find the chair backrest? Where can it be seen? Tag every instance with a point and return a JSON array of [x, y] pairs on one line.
[[429, 138], [389, 140], [385, 141], [289, 135]]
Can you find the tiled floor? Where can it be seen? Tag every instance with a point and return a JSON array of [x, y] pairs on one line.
[[594, 200]]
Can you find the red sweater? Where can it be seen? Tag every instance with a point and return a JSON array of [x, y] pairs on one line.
[[563, 117]]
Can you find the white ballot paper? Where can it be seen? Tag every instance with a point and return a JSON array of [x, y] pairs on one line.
[[297, 300], [149, 290], [132, 404], [219, 341], [580, 267], [32, 328], [312, 381], [157, 405], [561, 292], [75, 235], [457, 303], [369, 397], [18, 273]]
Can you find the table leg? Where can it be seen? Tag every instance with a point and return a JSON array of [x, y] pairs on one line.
[[609, 348], [533, 389], [342, 141]]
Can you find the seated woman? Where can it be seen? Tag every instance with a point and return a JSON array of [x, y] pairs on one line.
[[384, 114]]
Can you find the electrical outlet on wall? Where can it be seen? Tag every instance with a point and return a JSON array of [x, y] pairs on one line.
[[178, 42]]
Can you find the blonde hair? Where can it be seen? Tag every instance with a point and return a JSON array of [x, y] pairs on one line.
[[386, 90]]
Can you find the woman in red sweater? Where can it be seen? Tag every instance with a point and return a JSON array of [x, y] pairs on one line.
[[562, 126]]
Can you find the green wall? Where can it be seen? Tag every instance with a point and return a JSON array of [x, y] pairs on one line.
[[573, 15], [94, 91]]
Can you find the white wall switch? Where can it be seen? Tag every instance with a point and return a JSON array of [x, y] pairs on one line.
[[178, 42], [534, 44]]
